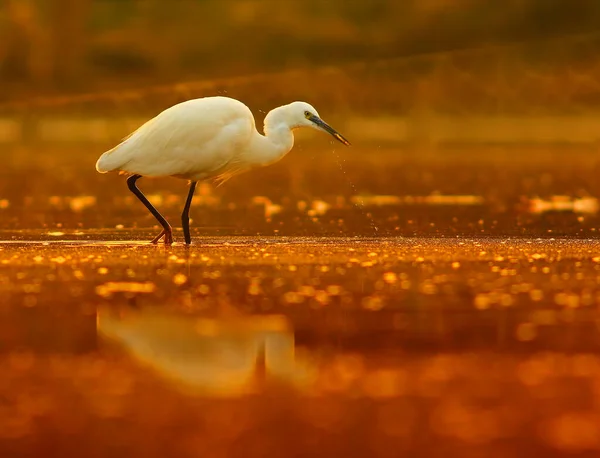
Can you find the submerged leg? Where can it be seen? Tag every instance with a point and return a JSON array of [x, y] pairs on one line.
[[185, 216], [167, 231]]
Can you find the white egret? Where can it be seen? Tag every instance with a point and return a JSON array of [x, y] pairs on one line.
[[199, 139]]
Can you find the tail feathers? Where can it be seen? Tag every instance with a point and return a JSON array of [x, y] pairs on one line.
[[109, 161], [120, 155]]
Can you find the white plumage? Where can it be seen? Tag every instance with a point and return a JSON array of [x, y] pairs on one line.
[[199, 139], [196, 139]]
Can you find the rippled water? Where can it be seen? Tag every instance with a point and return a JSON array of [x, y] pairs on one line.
[[465, 325], [444, 191]]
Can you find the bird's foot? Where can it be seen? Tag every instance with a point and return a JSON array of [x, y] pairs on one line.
[[157, 238], [166, 234]]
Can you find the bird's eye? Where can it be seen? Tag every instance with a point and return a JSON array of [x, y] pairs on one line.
[[307, 114]]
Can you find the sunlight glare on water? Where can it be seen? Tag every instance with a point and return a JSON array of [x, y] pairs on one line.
[[432, 290], [428, 329], [319, 323]]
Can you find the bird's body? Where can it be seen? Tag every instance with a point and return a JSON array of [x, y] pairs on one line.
[[195, 140], [207, 138]]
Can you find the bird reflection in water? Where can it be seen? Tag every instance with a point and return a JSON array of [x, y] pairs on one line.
[[207, 356]]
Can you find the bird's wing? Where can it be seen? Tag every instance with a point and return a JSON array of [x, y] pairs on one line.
[[189, 140]]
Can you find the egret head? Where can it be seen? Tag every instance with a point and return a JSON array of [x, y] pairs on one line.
[[302, 114]]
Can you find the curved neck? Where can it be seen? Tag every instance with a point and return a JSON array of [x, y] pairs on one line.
[[277, 141]]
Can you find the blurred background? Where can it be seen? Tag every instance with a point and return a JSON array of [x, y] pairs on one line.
[[493, 100], [69, 46]]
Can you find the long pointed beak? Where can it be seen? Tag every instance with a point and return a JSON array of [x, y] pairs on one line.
[[327, 128]]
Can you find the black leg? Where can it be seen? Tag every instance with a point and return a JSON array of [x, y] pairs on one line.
[[185, 216], [167, 231]]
